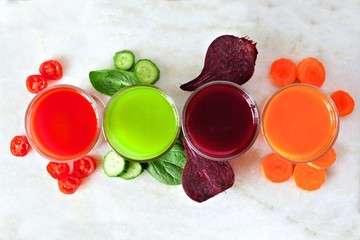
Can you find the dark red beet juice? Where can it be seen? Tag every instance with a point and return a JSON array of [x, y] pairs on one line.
[[220, 120]]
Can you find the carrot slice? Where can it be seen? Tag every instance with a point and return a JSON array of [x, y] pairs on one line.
[[325, 161], [344, 102], [308, 178], [283, 72], [311, 71], [276, 169]]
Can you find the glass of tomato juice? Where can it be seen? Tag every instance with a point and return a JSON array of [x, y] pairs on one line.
[[300, 122], [220, 120], [141, 122], [63, 122]]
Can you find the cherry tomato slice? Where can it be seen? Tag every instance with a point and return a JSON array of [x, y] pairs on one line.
[[35, 83], [69, 184], [51, 70], [84, 167], [19, 146], [58, 170]]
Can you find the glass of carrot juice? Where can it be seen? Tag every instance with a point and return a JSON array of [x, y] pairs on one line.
[[141, 122], [62, 123], [300, 122], [220, 120]]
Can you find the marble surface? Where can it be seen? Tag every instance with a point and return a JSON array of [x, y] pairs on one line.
[[84, 35]]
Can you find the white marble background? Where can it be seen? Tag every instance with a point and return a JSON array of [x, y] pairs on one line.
[[84, 35]]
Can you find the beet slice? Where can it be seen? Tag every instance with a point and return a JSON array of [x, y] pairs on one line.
[[228, 58], [203, 178]]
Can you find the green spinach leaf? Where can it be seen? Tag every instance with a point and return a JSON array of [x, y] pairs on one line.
[[169, 168], [109, 81]]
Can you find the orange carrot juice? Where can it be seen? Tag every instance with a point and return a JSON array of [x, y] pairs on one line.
[[300, 122]]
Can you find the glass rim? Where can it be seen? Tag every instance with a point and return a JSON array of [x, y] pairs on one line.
[[176, 114], [87, 96], [255, 115], [335, 123]]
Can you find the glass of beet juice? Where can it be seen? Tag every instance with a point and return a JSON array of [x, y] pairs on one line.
[[300, 122], [220, 120], [62, 123]]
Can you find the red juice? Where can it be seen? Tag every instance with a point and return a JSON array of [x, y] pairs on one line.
[[220, 120], [62, 123]]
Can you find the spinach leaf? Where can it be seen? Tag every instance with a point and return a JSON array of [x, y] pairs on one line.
[[169, 168], [109, 81]]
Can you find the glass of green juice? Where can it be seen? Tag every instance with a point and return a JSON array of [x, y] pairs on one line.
[[141, 123]]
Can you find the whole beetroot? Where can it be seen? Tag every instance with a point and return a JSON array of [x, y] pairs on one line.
[[203, 178], [228, 58]]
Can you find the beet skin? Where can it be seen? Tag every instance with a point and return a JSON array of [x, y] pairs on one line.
[[203, 178], [228, 58]]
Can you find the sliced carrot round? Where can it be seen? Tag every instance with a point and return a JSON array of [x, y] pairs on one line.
[[308, 178], [344, 102], [325, 161], [283, 72], [276, 169], [311, 71]]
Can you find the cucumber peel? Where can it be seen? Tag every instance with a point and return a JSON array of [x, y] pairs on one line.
[[133, 171]]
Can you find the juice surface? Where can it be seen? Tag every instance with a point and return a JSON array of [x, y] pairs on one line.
[[63, 124], [141, 123], [299, 122], [219, 121]]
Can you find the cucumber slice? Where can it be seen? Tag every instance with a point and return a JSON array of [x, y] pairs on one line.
[[146, 71], [113, 164], [133, 171], [124, 60]]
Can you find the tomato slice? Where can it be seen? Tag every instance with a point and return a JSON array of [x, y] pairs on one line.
[[35, 83], [58, 170], [69, 184], [84, 167], [51, 70], [19, 146]]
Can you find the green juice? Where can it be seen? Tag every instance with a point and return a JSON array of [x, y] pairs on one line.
[[141, 123]]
